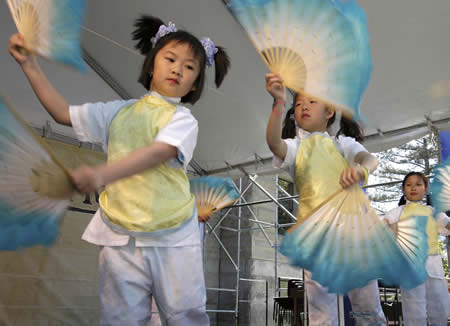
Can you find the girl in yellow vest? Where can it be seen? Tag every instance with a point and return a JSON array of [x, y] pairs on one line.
[[146, 227], [294, 147], [428, 303]]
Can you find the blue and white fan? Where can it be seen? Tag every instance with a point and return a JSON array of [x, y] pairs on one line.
[[212, 194], [51, 28], [319, 47], [35, 188], [345, 245], [440, 187]]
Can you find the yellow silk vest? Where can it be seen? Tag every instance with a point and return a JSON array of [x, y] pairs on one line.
[[158, 198], [318, 168]]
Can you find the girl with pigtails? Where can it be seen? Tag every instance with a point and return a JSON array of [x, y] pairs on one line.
[[428, 303], [147, 226]]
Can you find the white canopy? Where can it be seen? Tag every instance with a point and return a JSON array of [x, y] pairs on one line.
[[409, 91]]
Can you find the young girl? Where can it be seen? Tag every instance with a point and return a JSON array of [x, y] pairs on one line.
[[296, 154], [427, 303], [147, 225]]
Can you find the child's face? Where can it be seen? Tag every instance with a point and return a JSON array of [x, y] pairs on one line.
[[175, 70], [311, 114], [414, 188]]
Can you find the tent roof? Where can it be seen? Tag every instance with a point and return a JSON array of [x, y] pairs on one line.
[[410, 82]]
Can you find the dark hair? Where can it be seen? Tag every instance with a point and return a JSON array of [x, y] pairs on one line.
[[348, 127], [402, 200], [147, 27]]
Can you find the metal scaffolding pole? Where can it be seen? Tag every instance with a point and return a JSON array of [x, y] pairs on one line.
[[276, 229], [238, 256]]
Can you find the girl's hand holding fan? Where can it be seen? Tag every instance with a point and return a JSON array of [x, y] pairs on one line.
[[352, 175], [275, 87], [87, 179], [17, 50], [50, 28]]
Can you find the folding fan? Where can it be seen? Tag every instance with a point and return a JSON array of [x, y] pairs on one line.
[[440, 187], [35, 189], [212, 194], [412, 238], [51, 28], [345, 244], [319, 47]]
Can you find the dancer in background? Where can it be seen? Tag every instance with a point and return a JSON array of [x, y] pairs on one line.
[[428, 303]]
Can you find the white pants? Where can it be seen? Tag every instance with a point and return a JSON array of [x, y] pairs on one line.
[[429, 300], [130, 276], [156, 321], [322, 306]]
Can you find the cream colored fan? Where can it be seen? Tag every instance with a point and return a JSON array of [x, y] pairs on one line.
[[212, 194], [319, 47], [35, 188], [51, 28], [345, 244]]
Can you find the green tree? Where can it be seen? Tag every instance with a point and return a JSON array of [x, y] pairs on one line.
[[444, 258], [418, 155]]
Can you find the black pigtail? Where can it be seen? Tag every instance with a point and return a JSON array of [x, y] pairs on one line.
[[350, 128], [222, 65], [146, 28], [289, 124]]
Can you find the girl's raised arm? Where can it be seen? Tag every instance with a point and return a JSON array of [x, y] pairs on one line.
[[274, 85], [55, 104]]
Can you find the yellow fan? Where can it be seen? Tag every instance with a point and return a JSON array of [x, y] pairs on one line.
[[35, 188], [51, 28], [319, 47], [212, 194], [345, 244]]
